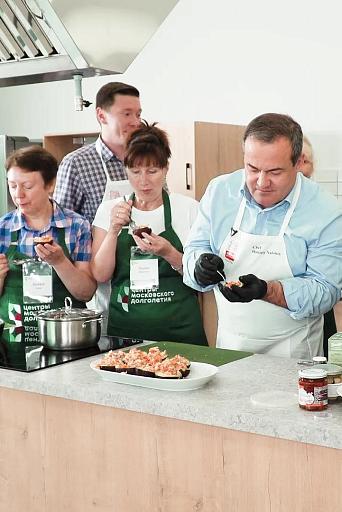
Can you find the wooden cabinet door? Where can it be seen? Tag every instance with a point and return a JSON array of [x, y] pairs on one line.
[[218, 150], [181, 174], [60, 145], [201, 151]]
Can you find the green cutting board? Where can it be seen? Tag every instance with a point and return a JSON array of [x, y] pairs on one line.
[[200, 354]]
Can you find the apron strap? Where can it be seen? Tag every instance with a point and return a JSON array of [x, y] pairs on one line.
[[98, 149], [293, 205], [239, 216], [14, 244], [61, 241], [14, 237], [238, 219], [167, 210]]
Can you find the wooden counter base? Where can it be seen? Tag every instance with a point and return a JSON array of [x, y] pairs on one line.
[[58, 455]]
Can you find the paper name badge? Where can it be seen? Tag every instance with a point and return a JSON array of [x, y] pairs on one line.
[[37, 282], [144, 274], [37, 287], [229, 255]]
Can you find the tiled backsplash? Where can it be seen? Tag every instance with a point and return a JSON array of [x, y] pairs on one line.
[[331, 180]]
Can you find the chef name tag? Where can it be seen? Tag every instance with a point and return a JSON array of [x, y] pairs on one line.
[[144, 273], [231, 250], [37, 282]]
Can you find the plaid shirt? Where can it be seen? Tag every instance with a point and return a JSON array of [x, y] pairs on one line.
[[77, 232], [81, 180]]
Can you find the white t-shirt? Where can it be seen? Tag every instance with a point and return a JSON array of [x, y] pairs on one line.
[[183, 213]]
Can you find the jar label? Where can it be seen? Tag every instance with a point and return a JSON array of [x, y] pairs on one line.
[[305, 398], [316, 395], [321, 395]]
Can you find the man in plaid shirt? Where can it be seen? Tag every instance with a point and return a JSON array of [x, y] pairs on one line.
[[86, 175]]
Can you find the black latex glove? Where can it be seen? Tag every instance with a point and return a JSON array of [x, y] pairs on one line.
[[206, 268], [253, 288]]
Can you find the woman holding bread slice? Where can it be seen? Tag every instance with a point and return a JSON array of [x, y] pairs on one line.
[[44, 249], [138, 243]]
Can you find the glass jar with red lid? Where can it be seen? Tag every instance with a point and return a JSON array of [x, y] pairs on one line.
[[313, 389]]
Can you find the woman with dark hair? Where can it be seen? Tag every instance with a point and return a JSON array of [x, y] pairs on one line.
[[44, 249], [138, 243]]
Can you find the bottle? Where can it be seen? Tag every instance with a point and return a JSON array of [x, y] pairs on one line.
[[335, 348], [334, 378], [313, 389]]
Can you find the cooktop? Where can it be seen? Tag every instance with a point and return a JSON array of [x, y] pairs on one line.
[[29, 358]]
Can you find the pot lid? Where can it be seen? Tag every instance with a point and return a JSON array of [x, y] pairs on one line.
[[69, 313]]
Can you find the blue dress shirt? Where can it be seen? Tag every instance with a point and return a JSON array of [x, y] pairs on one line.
[[313, 238]]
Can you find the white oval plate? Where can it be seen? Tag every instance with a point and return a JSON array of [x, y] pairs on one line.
[[200, 374]]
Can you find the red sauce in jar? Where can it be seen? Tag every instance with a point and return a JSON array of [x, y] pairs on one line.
[[313, 389]]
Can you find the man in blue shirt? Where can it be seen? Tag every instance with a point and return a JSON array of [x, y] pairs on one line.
[[278, 237]]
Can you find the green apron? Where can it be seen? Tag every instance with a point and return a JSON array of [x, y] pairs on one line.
[[170, 313], [22, 316]]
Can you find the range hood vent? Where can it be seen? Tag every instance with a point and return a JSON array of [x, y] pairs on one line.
[[47, 40]]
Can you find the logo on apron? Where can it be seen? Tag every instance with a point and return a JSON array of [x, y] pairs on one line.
[[123, 297], [15, 334], [15, 314]]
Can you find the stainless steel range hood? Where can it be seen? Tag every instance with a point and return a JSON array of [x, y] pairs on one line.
[[47, 40]]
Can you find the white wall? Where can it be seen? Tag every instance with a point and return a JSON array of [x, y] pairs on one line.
[[218, 60]]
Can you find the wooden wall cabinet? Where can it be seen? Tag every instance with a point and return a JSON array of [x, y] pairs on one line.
[[60, 144], [201, 151]]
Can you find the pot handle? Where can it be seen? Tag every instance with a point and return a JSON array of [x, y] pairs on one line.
[[67, 305], [99, 319]]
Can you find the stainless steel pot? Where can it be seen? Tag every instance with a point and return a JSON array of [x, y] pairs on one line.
[[69, 328]]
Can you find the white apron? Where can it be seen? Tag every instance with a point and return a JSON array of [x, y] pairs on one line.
[[259, 326], [113, 190]]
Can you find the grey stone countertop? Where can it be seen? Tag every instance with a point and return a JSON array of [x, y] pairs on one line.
[[257, 394]]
